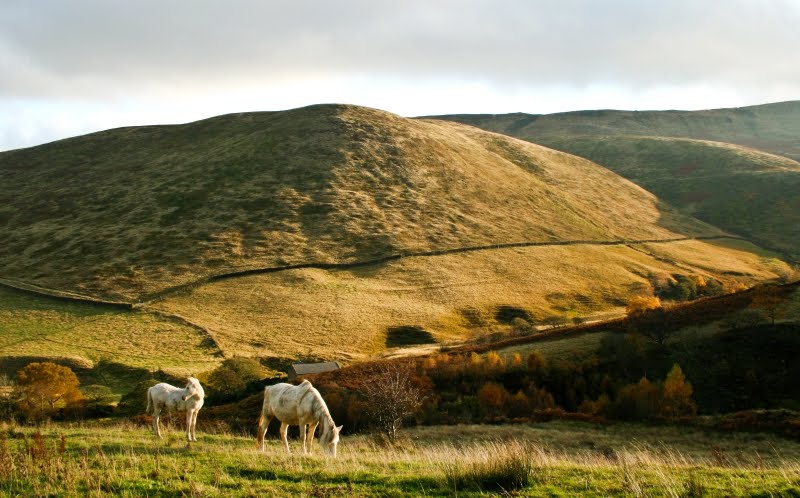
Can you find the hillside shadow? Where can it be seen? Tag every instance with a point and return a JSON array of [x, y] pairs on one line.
[[408, 335], [672, 219]]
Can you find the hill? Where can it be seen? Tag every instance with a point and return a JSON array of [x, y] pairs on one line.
[[773, 128], [742, 190], [129, 212], [339, 224], [733, 168]]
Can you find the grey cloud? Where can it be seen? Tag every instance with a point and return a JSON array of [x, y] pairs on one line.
[[85, 47]]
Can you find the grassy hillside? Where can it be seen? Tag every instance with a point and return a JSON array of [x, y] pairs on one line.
[[129, 212], [34, 328], [733, 168], [772, 128], [742, 190], [347, 314]]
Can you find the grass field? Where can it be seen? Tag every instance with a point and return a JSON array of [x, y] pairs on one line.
[[345, 314], [35, 327], [551, 459]]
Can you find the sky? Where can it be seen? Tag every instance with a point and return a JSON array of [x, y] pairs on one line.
[[69, 67]]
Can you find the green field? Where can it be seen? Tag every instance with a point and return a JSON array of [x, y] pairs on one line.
[[81, 335], [554, 459]]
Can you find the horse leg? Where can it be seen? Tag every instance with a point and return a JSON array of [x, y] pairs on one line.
[[156, 417], [263, 425], [189, 425], [194, 424], [284, 428], [309, 437]]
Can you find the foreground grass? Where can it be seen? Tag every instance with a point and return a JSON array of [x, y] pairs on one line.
[[543, 460]]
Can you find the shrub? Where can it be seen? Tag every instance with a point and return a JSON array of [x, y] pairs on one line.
[[640, 304], [232, 377], [43, 388], [504, 468], [408, 335], [506, 314], [134, 401], [391, 397]]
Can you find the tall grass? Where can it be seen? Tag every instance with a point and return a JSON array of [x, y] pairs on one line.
[[123, 460]]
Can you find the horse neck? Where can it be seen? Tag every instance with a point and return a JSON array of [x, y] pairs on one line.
[[324, 416]]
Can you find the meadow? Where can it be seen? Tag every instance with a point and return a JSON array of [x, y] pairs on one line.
[[549, 459], [278, 314], [83, 335]]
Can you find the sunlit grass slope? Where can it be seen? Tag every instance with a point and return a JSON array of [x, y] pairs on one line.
[[742, 190], [44, 329], [345, 314], [128, 212], [733, 168]]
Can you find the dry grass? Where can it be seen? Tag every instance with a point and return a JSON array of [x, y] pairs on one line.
[[345, 314], [172, 204], [735, 169], [34, 327], [555, 459]]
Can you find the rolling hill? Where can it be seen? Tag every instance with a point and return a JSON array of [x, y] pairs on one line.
[[734, 168], [314, 231], [131, 211], [773, 128]]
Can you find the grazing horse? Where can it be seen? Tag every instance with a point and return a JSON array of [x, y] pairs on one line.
[[189, 399], [298, 405]]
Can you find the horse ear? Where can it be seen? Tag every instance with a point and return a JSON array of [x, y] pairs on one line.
[[339, 429]]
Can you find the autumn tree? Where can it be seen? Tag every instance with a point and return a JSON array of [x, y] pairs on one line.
[[648, 318], [640, 304], [637, 401], [770, 301], [43, 388], [676, 395], [391, 397], [492, 397], [537, 364]]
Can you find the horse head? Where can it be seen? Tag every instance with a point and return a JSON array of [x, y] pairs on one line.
[[329, 440], [193, 389]]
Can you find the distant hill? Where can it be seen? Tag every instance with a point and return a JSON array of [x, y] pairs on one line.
[[772, 128], [128, 212], [734, 168]]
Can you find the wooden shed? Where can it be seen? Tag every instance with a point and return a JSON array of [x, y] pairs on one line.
[[300, 369]]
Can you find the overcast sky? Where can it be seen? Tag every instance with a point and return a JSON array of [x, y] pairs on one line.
[[68, 67]]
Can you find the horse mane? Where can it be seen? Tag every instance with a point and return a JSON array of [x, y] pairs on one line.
[[321, 409]]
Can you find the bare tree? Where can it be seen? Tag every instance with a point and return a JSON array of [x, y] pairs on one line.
[[391, 397]]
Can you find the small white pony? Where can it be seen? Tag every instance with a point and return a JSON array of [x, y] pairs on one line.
[[298, 405], [189, 399]]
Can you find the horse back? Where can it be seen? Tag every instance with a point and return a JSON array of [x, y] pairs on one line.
[[285, 401]]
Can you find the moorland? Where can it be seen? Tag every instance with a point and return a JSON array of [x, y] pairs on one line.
[[597, 303]]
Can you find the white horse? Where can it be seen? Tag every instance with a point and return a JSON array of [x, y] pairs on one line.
[[189, 399], [298, 405]]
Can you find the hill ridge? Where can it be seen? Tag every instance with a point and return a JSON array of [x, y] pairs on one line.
[[147, 208]]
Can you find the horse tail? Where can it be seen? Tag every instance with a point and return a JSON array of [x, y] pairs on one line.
[[261, 431], [149, 402]]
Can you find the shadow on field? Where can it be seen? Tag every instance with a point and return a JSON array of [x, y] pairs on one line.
[[361, 478]]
